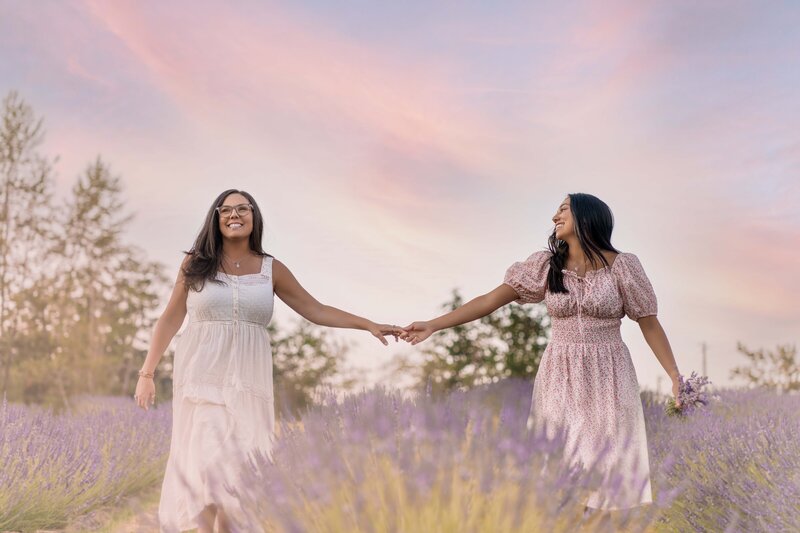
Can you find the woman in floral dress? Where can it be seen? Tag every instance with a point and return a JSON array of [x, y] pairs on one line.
[[586, 383]]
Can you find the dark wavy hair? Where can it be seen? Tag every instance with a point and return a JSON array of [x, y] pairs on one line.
[[206, 253], [593, 223]]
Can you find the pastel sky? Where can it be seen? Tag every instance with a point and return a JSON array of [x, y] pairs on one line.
[[403, 149]]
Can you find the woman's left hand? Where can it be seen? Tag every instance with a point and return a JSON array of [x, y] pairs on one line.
[[381, 330]]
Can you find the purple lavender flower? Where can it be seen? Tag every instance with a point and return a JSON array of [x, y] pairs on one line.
[[690, 394], [55, 468]]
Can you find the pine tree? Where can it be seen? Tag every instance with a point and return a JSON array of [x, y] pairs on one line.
[[26, 216], [108, 288]]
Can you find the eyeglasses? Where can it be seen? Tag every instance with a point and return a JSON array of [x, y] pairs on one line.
[[242, 210]]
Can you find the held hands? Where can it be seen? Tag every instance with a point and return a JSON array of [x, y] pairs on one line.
[[380, 331], [413, 333], [417, 332]]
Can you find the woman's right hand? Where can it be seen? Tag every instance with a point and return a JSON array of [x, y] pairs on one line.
[[145, 393], [417, 332]]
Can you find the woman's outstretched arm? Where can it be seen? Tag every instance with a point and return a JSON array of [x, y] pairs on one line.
[[295, 296], [472, 310]]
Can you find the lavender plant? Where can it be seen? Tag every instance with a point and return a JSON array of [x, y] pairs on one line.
[[733, 466], [381, 461], [54, 468]]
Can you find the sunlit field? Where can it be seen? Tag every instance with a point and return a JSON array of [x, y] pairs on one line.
[[380, 460], [55, 468]]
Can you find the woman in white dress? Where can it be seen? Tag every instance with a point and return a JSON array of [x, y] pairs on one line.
[[223, 413]]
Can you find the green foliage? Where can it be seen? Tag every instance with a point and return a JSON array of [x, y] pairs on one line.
[[777, 370], [97, 300], [305, 359], [76, 300], [508, 343], [112, 287], [26, 221]]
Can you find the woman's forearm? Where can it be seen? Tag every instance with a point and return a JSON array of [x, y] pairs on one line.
[[327, 315], [472, 310], [657, 340], [163, 332]]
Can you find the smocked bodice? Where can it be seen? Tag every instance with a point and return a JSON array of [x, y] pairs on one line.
[[592, 309], [242, 299]]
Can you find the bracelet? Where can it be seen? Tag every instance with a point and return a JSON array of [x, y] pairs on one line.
[[143, 374]]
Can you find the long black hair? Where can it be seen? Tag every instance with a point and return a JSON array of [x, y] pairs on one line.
[[593, 222], [206, 253]]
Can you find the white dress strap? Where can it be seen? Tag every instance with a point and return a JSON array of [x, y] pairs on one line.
[[266, 266]]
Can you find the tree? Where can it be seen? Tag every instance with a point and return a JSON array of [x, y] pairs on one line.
[[26, 217], [111, 288], [88, 318], [305, 359], [778, 370], [508, 343]]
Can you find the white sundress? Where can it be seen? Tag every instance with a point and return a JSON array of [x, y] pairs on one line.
[[223, 410]]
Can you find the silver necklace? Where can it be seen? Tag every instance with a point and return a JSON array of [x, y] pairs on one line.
[[236, 263], [575, 268]]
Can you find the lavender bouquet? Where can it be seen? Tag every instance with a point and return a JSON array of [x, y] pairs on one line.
[[690, 394]]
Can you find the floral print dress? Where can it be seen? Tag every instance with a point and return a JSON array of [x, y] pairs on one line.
[[586, 384]]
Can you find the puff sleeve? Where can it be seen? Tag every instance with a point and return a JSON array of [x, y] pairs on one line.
[[529, 278], [638, 297]]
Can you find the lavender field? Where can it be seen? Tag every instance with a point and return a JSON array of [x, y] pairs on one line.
[[56, 468], [380, 460]]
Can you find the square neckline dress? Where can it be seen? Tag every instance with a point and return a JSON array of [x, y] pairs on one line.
[[586, 384], [223, 398]]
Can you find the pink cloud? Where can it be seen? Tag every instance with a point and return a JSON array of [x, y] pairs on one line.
[[224, 65]]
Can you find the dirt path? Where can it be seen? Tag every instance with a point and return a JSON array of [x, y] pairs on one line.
[[135, 514]]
